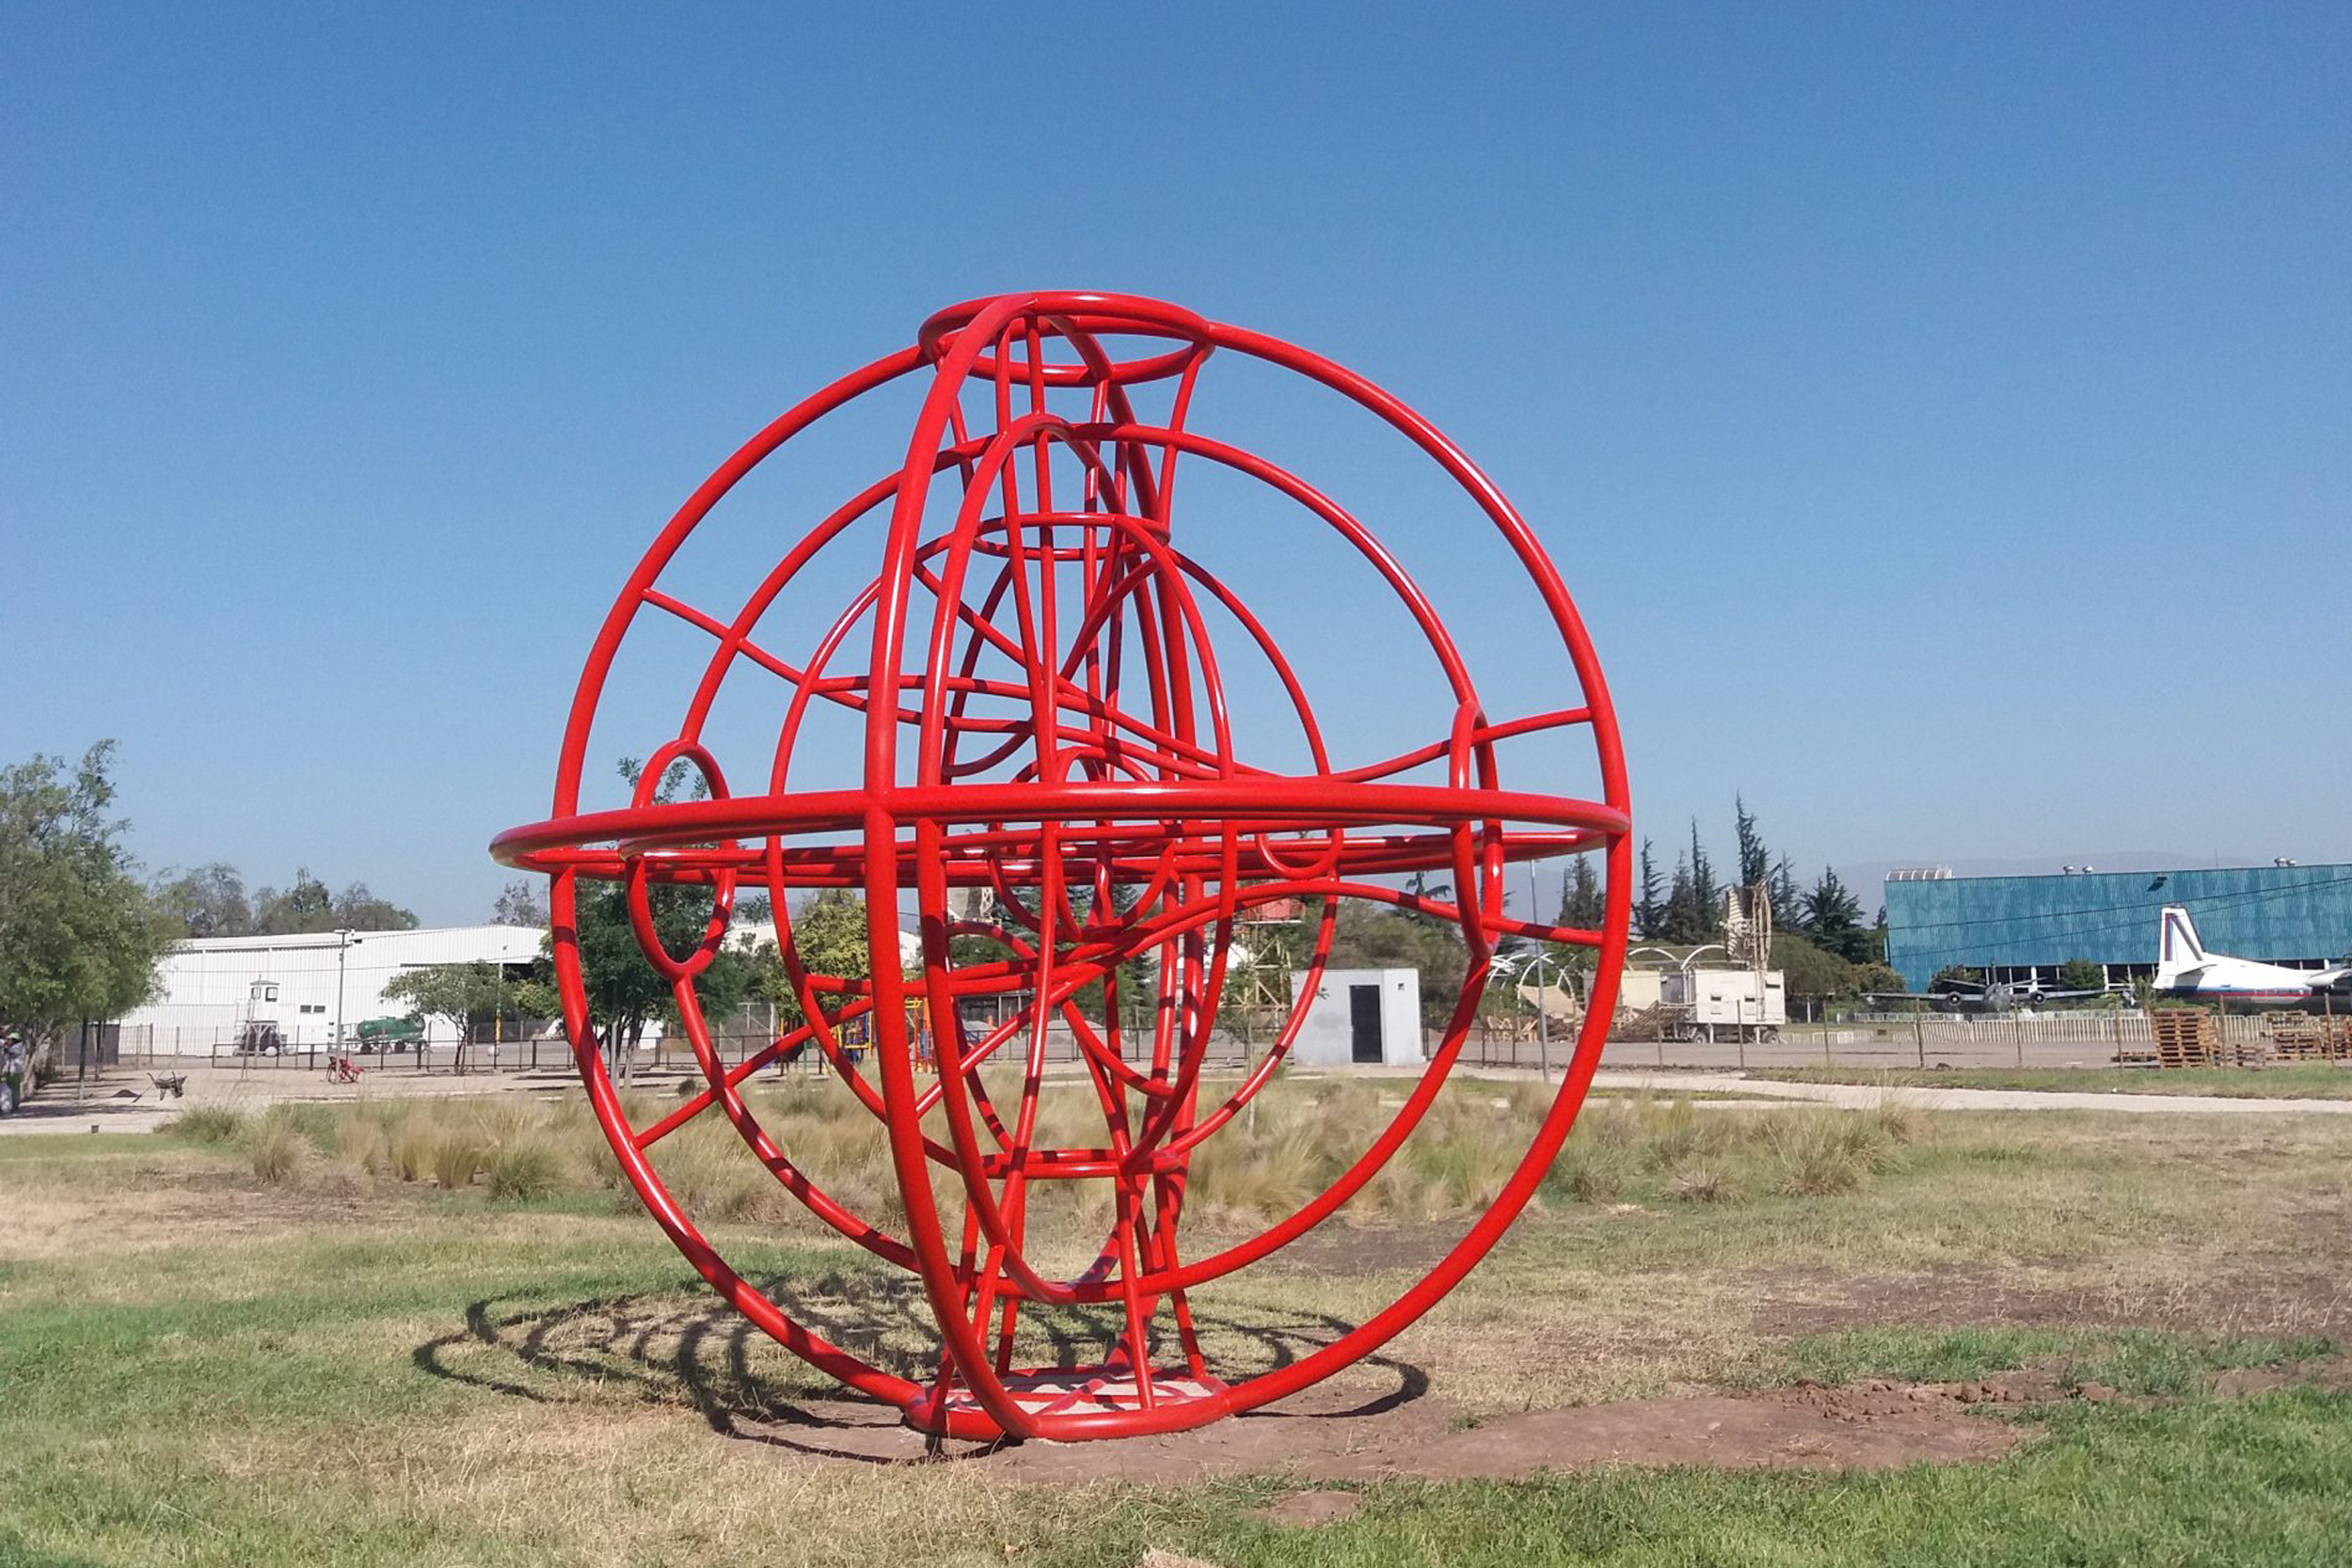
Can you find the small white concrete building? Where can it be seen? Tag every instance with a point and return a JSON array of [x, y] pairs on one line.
[[209, 990], [1361, 1017]]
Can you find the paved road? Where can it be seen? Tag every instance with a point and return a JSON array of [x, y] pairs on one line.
[[1864, 1095]]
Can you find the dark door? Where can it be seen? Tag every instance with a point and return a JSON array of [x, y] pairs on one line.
[[1363, 1023]]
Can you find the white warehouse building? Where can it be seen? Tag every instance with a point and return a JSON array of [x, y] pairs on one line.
[[211, 991]]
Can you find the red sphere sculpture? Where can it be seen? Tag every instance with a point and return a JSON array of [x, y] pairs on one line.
[[1046, 731]]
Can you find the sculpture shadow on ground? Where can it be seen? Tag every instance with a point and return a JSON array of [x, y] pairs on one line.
[[673, 1348]]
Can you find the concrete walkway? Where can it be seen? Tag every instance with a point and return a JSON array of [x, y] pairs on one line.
[[1861, 1095]]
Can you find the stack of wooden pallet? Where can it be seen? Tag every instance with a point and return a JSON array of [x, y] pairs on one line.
[[2184, 1038], [2312, 1040]]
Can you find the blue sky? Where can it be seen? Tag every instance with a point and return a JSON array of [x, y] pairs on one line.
[[1941, 416]]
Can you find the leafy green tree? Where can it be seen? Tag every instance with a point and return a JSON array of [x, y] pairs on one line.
[[211, 901], [521, 902], [356, 909], [2081, 974], [1811, 974], [79, 932], [1832, 919], [829, 933], [625, 992], [468, 996], [307, 905], [208, 901], [1877, 979]]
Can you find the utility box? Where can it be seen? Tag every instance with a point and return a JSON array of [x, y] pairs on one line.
[[1722, 1004], [1360, 1018]]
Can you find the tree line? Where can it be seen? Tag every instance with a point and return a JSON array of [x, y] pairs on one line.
[[81, 931], [212, 901], [1687, 907]]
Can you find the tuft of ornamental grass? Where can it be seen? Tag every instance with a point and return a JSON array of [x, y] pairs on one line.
[[208, 1124], [411, 1144], [1590, 1170], [458, 1155], [531, 1165], [708, 1170], [1701, 1182], [280, 1152], [1821, 1156], [362, 1142], [1681, 1133]]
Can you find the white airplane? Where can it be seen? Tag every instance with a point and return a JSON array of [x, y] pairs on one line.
[[2183, 968]]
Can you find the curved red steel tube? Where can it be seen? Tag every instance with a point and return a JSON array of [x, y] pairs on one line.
[[1046, 724]]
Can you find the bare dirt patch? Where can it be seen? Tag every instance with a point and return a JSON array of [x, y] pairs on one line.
[[1878, 1423], [1311, 1508], [49, 1219], [1873, 1425], [2292, 1296]]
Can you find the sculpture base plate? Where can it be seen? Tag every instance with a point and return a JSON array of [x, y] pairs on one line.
[[1093, 1390]]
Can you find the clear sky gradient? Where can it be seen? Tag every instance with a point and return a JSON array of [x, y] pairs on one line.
[[1942, 415]]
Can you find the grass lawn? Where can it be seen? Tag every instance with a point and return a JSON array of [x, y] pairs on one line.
[[204, 1365], [2292, 1081]]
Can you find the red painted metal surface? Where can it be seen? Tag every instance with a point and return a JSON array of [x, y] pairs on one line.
[[1045, 721]]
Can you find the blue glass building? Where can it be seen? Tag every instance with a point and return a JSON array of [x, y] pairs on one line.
[[2019, 928]]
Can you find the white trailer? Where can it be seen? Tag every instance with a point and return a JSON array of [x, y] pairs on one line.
[[1722, 1004]]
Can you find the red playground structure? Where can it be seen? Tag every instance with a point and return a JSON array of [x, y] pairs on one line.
[[1041, 758]]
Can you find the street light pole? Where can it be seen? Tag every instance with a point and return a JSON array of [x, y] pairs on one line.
[[342, 951], [1543, 1026]]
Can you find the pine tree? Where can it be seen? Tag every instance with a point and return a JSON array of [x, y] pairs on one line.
[[1755, 860], [1787, 904], [1707, 899], [1833, 919], [1650, 914], [1579, 897], [1680, 922]]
